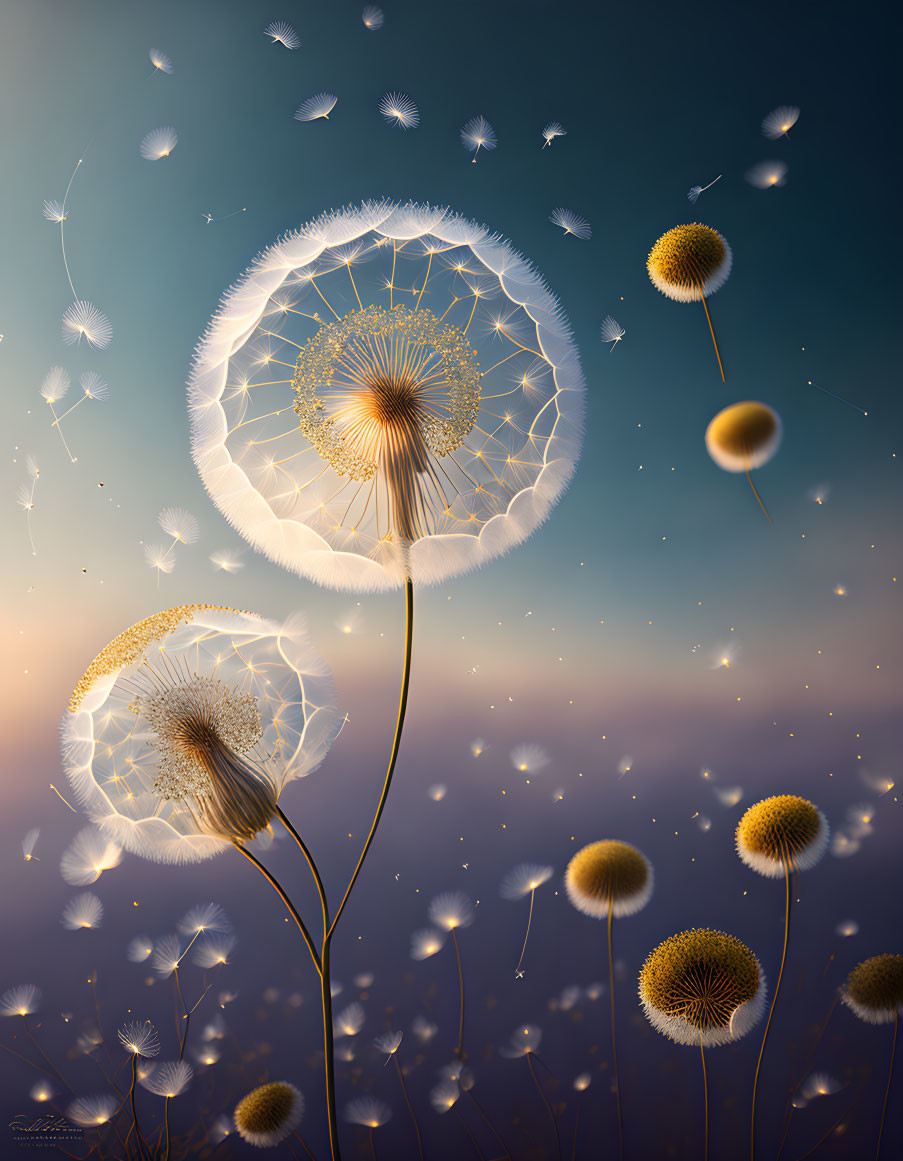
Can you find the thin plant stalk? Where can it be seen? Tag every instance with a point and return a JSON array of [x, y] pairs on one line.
[[705, 1089], [407, 1101], [788, 1110], [166, 1123], [372, 1145], [490, 1125], [459, 1050], [56, 1071], [714, 340], [890, 1077], [142, 1148], [546, 1102], [469, 1132], [523, 950], [774, 1000], [576, 1126], [846, 1112], [614, 1042]]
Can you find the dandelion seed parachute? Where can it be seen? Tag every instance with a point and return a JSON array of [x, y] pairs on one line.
[[612, 331], [551, 131], [523, 879], [269, 1114], [529, 758], [312, 464], [444, 1095], [139, 948], [29, 843], [398, 109], [93, 386], [167, 955], [90, 1111], [388, 1042], [55, 384], [82, 320], [281, 33], [42, 1091], [53, 211], [83, 912], [169, 1079], [780, 121], [20, 1001], [372, 17], [88, 855], [158, 143], [227, 560], [423, 1029], [160, 61], [319, 105], [179, 524], [571, 223], [205, 917], [450, 910], [426, 943], [820, 1084], [269, 714], [160, 558], [139, 1037], [213, 952], [525, 1039], [478, 134], [582, 1082], [780, 833], [767, 174], [367, 1111], [350, 1020]]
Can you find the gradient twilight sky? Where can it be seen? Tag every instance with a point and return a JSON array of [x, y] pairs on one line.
[[600, 638]]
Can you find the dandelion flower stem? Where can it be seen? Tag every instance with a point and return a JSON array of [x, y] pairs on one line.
[[329, 1053], [459, 1050], [467, 1129], [546, 1102], [142, 1148], [788, 1111], [407, 1101], [714, 340], [758, 497], [321, 891], [489, 1123], [166, 1123], [614, 1043], [705, 1089], [372, 1146], [774, 1000], [890, 1077], [527, 936], [285, 899]]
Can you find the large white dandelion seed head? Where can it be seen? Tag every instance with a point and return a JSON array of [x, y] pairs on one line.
[[571, 223], [179, 524], [263, 698], [20, 1001], [529, 758], [363, 411], [83, 912], [767, 174], [450, 910], [169, 1079], [93, 386], [319, 105], [780, 121], [398, 109], [82, 320], [55, 384], [160, 61], [90, 1111], [282, 33], [158, 143], [523, 879], [373, 17], [88, 855]]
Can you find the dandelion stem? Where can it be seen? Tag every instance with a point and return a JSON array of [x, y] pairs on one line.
[[142, 1148], [328, 1051], [714, 340], [788, 1110], [45, 1057], [705, 1089], [758, 497], [890, 1077], [546, 1102], [614, 1042], [166, 1123], [459, 1051], [821, 1140], [576, 1125], [285, 899], [469, 1132], [489, 1123], [372, 1146], [527, 936], [407, 1101], [321, 891], [303, 1144], [774, 1000]]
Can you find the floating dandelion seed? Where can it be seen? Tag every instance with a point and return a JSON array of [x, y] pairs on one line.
[[367, 1111], [53, 211], [423, 1029], [88, 855], [728, 795], [398, 109], [625, 766], [319, 105], [847, 928], [780, 121], [696, 190], [582, 1082], [426, 943], [20, 1001], [167, 956], [159, 143], [205, 917], [28, 845], [774, 837], [82, 320], [90, 1111], [139, 1037], [160, 61], [704, 823], [213, 951], [438, 792], [450, 911], [529, 758], [159, 558], [88, 1041], [819, 1084], [388, 1043], [522, 881], [350, 1020], [179, 524], [373, 17], [742, 437], [139, 948], [551, 131], [879, 783], [206, 1056], [874, 992], [704, 988], [612, 331], [444, 1095], [843, 845], [767, 174], [610, 879], [525, 1039], [478, 134], [83, 912], [571, 223], [54, 386], [227, 560], [364, 980], [169, 1079], [281, 33], [689, 263], [269, 1114]]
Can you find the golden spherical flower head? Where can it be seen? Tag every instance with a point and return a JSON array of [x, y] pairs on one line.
[[783, 831], [874, 989], [702, 987], [607, 874], [267, 1115], [743, 436], [689, 262]]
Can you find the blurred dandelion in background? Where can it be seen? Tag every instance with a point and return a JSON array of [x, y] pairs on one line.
[[742, 437], [478, 134], [449, 912], [269, 1114], [372, 17], [54, 387], [139, 1038], [227, 560], [158, 143], [20, 1001], [350, 1020], [315, 107], [28, 845], [83, 912], [91, 1111], [780, 121], [767, 174], [477, 747], [88, 855], [160, 61], [529, 758], [139, 949]]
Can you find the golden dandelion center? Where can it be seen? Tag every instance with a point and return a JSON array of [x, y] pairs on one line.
[[743, 428], [608, 870], [779, 827], [386, 387], [877, 983], [265, 1109], [687, 256], [700, 976]]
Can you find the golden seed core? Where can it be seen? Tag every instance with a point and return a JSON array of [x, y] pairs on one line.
[[742, 429], [687, 256], [608, 870], [779, 827]]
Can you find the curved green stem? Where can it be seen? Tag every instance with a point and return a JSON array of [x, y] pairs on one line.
[[774, 1000]]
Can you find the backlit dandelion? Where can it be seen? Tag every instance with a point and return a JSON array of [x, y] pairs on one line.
[[92, 1111], [529, 758], [281, 33], [82, 913], [368, 1111], [728, 795], [696, 190], [438, 791], [571, 223], [169, 1079], [160, 61], [478, 134], [139, 949], [167, 955], [688, 264], [88, 855], [449, 912], [28, 845], [208, 917], [742, 437], [372, 17], [780, 121], [398, 109], [213, 951], [227, 560], [704, 988], [819, 1084], [158, 143], [159, 558], [179, 524], [611, 331], [477, 747], [388, 1043], [139, 1037], [42, 1091], [21, 1000], [54, 386], [444, 1095], [610, 879], [350, 1020], [767, 174], [551, 131], [424, 1030], [774, 837], [315, 107], [82, 320], [269, 1114], [520, 882], [93, 388], [53, 211]]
